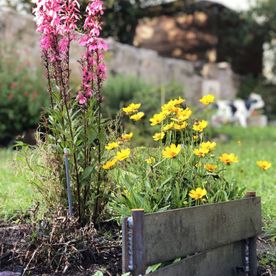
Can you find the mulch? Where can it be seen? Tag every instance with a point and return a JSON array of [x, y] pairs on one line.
[[16, 254]]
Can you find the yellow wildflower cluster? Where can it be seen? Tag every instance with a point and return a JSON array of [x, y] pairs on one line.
[[120, 154], [173, 111], [132, 110]]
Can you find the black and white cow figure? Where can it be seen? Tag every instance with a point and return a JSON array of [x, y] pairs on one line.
[[236, 111]]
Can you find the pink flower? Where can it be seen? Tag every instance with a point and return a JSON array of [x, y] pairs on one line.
[[88, 93], [81, 98], [102, 70], [64, 45], [95, 8]]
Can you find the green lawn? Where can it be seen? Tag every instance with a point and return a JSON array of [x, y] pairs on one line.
[[249, 144], [15, 193]]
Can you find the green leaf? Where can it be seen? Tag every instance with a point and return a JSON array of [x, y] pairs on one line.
[[98, 273], [153, 268], [87, 172]]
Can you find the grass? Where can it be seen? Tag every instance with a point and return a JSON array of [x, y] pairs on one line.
[[16, 195], [250, 145]]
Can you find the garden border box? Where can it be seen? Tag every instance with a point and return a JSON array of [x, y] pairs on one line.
[[212, 239]]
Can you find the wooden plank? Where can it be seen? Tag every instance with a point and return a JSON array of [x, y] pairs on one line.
[[253, 263], [182, 232], [125, 245], [223, 261], [252, 247], [139, 267]]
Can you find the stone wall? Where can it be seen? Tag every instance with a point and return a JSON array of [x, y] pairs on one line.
[[18, 30]]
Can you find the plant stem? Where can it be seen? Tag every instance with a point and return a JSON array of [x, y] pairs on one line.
[[99, 99]]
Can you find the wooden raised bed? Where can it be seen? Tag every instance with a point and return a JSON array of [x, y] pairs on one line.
[[211, 240]]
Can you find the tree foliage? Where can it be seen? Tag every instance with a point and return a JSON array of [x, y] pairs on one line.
[[121, 16]]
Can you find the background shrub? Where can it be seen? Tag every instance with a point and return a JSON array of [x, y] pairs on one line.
[[22, 96]]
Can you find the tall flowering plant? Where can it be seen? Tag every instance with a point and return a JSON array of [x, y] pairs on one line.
[[75, 120]]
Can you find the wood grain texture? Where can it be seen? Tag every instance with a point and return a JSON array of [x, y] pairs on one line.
[[182, 232], [138, 242], [125, 257], [222, 261]]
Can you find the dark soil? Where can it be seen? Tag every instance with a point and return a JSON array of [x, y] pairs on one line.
[[18, 252]]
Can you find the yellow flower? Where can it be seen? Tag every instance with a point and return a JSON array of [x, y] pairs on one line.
[[168, 126], [184, 114], [150, 160], [210, 146], [137, 116], [123, 154], [171, 105], [157, 118], [198, 193], [208, 99], [264, 165], [201, 152], [195, 137], [178, 101], [158, 136], [109, 164], [200, 125], [210, 167], [131, 108], [171, 151], [180, 126], [112, 145], [126, 136], [228, 158]]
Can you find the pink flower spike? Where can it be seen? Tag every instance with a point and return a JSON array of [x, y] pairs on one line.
[[81, 98], [88, 93]]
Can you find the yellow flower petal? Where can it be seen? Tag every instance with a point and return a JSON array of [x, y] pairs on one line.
[[131, 108], [112, 145], [126, 136], [123, 154], [263, 164], [199, 126], [158, 136], [171, 151], [208, 99], [198, 193], [109, 164], [138, 116], [228, 158]]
